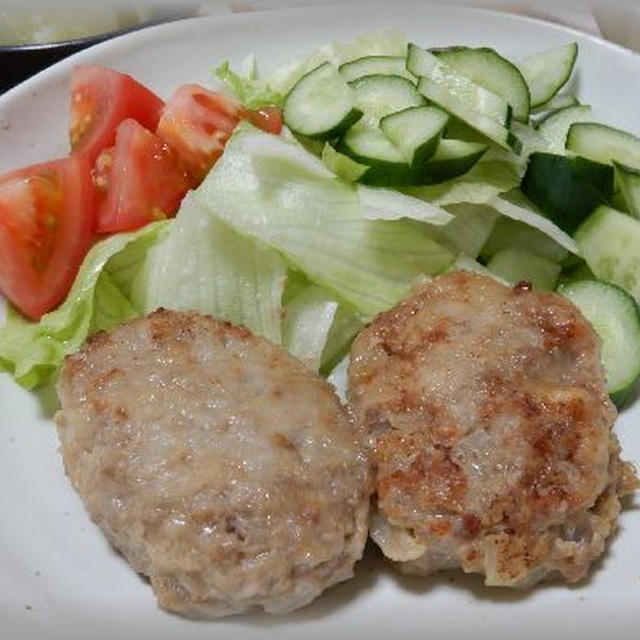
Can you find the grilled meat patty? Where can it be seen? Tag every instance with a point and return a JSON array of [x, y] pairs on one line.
[[491, 432], [217, 464]]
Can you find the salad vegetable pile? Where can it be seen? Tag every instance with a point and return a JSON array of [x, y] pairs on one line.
[[395, 162]]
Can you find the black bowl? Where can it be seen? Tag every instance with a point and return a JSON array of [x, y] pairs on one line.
[[18, 62]]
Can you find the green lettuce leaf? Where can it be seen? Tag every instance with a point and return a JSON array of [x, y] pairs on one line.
[[33, 351], [251, 91], [275, 191], [202, 264], [481, 183]]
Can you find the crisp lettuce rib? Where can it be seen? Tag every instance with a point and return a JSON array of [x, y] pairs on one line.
[[275, 191], [202, 264]]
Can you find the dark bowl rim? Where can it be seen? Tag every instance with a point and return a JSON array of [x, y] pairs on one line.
[[86, 41]]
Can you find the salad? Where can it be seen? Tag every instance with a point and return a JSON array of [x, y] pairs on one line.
[[302, 204]]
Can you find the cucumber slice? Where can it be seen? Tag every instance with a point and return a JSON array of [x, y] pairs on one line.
[[602, 143], [559, 101], [386, 163], [554, 127], [457, 88], [375, 65], [447, 97], [416, 132], [566, 189], [615, 316], [609, 241], [628, 179], [490, 70], [321, 104], [343, 166], [547, 72], [514, 264], [451, 159], [380, 95]]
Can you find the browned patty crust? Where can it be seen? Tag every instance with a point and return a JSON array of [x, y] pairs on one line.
[[218, 465], [491, 432]]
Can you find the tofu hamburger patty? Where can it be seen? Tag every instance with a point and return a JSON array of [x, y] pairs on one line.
[[490, 430], [219, 466]]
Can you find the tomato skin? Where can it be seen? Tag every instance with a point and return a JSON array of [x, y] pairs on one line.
[[138, 180], [268, 118], [197, 123], [46, 229], [100, 100]]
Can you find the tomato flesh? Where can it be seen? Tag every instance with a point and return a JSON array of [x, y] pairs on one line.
[[138, 180], [46, 228], [268, 118], [100, 100], [197, 123]]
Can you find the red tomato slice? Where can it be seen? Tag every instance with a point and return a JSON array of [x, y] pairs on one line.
[[197, 123], [100, 100], [46, 228], [139, 180]]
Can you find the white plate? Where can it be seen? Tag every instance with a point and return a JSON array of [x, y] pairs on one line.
[[58, 576]]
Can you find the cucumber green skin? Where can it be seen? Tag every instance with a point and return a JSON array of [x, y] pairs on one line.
[[455, 56], [376, 64], [436, 170], [566, 189], [354, 115], [379, 173], [575, 291]]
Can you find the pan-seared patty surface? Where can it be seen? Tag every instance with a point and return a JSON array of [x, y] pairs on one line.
[[490, 429], [217, 464]]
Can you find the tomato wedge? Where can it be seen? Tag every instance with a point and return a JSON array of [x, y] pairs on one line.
[[197, 122], [100, 100], [46, 228], [138, 180]]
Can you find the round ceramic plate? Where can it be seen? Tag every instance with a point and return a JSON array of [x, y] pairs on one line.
[[58, 576]]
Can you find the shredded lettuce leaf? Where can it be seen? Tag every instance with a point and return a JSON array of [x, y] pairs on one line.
[[482, 182], [202, 264], [273, 190], [248, 88], [33, 351], [469, 229], [307, 321], [389, 42], [515, 206]]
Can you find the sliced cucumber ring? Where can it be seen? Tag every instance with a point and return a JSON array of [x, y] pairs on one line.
[[321, 104], [547, 72], [490, 70], [604, 144], [375, 65], [554, 127], [451, 159], [628, 179], [415, 132], [386, 163], [615, 316], [380, 95], [609, 241]]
